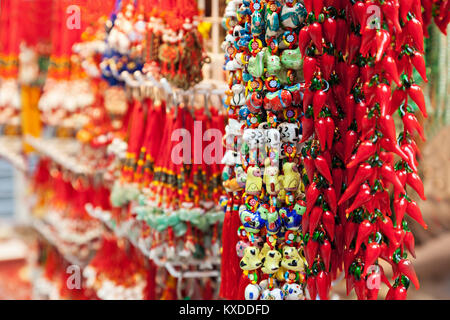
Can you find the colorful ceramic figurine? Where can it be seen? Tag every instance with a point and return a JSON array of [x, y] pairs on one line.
[[271, 180], [251, 221], [293, 14], [253, 186], [272, 219], [273, 147], [291, 177], [257, 26], [249, 263], [291, 218], [273, 9]]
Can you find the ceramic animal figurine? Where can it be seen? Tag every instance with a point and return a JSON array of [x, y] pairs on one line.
[[291, 219], [231, 158], [238, 98], [273, 146], [257, 24], [297, 95], [265, 248], [255, 141], [275, 294], [251, 221], [256, 65], [255, 102], [292, 291], [271, 262], [272, 219], [290, 132], [272, 63], [293, 14], [271, 180], [278, 100], [252, 292], [272, 19], [292, 59], [291, 259], [291, 177], [250, 261], [253, 185], [235, 63]]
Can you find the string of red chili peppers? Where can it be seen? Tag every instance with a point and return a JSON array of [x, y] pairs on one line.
[[350, 165]]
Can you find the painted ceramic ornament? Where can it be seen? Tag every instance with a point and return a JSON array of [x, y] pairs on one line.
[[231, 158], [292, 59], [255, 46], [238, 98], [240, 247], [297, 95], [273, 146], [254, 120], [271, 262], [291, 260], [272, 118], [250, 261], [235, 63], [241, 176], [290, 132], [291, 114], [293, 14], [257, 24], [252, 292], [243, 112], [244, 41], [256, 65], [271, 180], [272, 84], [253, 185], [254, 102], [278, 100], [231, 9], [272, 63], [275, 294], [244, 10], [288, 40], [291, 177], [272, 18], [251, 221], [272, 45], [272, 219], [255, 84], [292, 291], [255, 141], [291, 219]]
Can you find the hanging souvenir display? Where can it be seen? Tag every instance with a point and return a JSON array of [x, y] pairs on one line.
[[61, 197], [164, 153]]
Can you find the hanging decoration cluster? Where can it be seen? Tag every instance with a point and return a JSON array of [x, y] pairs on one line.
[[162, 180], [331, 197]]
